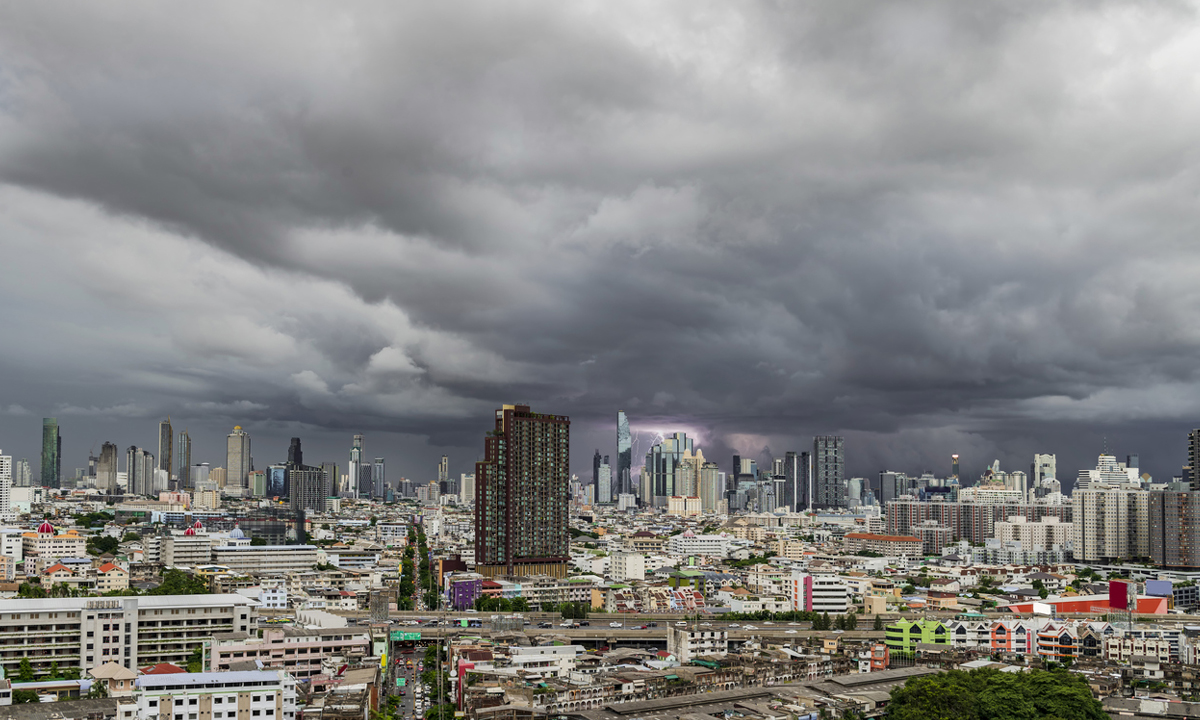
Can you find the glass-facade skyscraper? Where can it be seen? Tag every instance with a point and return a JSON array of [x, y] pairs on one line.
[[184, 474], [624, 477], [166, 440], [829, 471], [51, 454], [661, 461]]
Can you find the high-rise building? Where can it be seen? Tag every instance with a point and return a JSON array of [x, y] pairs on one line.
[[22, 474], [106, 468], [332, 475], [378, 479], [51, 454], [794, 497], [596, 461], [139, 471], [220, 476], [355, 469], [624, 478], [200, 474], [954, 466], [829, 471], [1044, 467], [166, 440], [603, 485], [467, 488], [307, 486], [6, 483], [184, 456], [445, 486], [712, 487], [237, 459], [1174, 527], [365, 471], [661, 462], [523, 495]]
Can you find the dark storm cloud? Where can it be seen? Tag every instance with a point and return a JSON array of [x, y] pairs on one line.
[[944, 227]]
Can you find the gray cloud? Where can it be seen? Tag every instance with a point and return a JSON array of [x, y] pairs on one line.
[[955, 227]]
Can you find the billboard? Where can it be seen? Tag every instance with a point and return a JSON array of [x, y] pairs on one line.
[[276, 481], [1160, 588], [398, 636], [1118, 595]]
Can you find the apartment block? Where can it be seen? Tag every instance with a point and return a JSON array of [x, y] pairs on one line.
[[133, 631], [242, 695], [298, 651]]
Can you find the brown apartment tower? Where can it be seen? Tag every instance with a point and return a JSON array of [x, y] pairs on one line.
[[522, 495]]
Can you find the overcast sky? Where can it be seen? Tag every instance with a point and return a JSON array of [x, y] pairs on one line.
[[930, 227]]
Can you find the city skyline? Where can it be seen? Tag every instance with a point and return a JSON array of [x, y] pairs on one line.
[[934, 232]]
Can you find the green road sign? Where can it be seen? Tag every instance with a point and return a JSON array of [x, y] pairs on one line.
[[400, 682], [397, 635]]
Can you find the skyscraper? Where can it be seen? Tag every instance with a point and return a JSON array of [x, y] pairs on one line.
[[523, 495], [1191, 472], [307, 486], [624, 479], [106, 468], [23, 474], [829, 471], [6, 483], [603, 485], [793, 490], [378, 480], [237, 459], [355, 469], [51, 454], [444, 484], [661, 462], [166, 438], [954, 465], [596, 461], [139, 471], [184, 474]]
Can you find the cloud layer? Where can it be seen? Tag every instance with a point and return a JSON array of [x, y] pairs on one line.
[[945, 227]]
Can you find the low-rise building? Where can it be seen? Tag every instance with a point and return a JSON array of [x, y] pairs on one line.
[[298, 650], [688, 644], [266, 559], [888, 545]]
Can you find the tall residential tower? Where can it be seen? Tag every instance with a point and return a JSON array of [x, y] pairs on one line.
[[238, 463], [523, 487]]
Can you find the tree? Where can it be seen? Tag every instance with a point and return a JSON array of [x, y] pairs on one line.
[[840, 622], [851, 621], [177, 582], [53, 670], [24, 696], [826, 623], [130, 537], [102, 544], [258, 541], [878, 623], [25, 671], [195, 662], [99, 690], [992, 695]]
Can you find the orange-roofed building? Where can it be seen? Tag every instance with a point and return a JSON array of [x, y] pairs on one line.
[[44, 546], [111, 576]]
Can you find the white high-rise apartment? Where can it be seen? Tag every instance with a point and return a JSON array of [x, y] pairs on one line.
[[604, 484], [237, 458], [6, 483], [1110, 514]]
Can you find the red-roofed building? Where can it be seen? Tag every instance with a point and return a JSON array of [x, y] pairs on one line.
[[163, 669], [890, 545], [111, 576], [491, 588]]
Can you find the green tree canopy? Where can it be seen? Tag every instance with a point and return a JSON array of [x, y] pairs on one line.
[[987, 694]]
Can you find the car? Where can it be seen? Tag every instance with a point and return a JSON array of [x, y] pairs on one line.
[[545, 625], [526, 623], [653, 624], [567, 624], [734, 625], [585, 623], [680, 624], [768, 623], [838, 632], [705, 624], [614, 623], [791, 632], [642, 627], [749, 627], [794, 624], [402, 691]]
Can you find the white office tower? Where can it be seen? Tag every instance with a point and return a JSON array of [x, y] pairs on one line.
[[355, 469], [467, 487], [626, 501], [6, 483], [1044, 467]]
